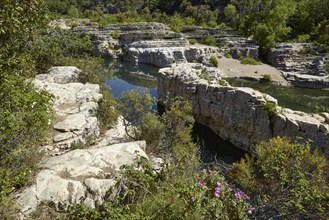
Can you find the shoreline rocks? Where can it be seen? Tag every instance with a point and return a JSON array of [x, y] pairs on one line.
[[71, 176], [242, 116], [302, 64]]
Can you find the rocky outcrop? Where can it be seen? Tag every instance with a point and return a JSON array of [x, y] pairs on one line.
[[242, 116], [302, 64], [79, 177], [228, 40], [74, 106], [151, 43]]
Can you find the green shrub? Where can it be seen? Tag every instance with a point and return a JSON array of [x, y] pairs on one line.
[[267, 78], [176, 23], [250, 61], [271, 108], [115, 35], [214, 61], [190, 193], [192, 41], [209, 40], [223, 82], [307, 50], [106, 113], [59, 46], [287, 179]]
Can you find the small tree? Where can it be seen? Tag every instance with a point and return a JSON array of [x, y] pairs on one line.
[[287, 179], [134, 107]]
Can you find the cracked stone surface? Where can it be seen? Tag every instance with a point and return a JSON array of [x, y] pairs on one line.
[[75, 105], [238, 114], [78, 176]]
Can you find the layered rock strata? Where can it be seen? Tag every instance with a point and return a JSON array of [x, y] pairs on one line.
[[74, 106], [303, 64], [81, 176], [228, 41], [151, 43], [242, 116]]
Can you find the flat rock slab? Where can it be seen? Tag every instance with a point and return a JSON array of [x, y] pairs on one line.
[[79, 176], [71, 123]]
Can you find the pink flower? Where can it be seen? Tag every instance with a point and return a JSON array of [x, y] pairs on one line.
[[218, 190], [201, 183], [250, 209]]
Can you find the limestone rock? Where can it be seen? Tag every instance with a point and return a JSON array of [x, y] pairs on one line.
[[238, 114], [74, 105], [71, 123], [60, 75], [79, 176], [303, 64]]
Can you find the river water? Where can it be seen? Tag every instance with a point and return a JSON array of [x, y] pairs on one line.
[[295, 98]]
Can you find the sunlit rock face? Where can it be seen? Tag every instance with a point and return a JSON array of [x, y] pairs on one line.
[[239, 115]]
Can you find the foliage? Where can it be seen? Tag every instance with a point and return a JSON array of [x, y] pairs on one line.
[[106, 113], [176, 23], [209, 40], [192, 41], [287, 179], [250, 61], [271, 108], [265, 20], [59, 46], [223, 82], [115, 35], [214, 61], [267, 78], [25, 112], [134, 106], [173, 192]]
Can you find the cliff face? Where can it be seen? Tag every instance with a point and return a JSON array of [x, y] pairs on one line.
[[228, 41], [302, 64], [242, 116], [156, 44]]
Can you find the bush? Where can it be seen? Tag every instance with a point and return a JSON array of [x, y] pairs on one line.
[[115, 35], [106, 113], [209, 40], [271, 108], [287, 179], [192, 41], [267, 78], [58, 47], [214, 61], [250, 61]]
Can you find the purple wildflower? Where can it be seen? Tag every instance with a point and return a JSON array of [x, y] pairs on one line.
[[218, 190], [201, 183], [193, 199], [250, 209], [238, 195]]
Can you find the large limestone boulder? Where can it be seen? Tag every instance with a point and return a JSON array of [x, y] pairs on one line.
[[79, 176]]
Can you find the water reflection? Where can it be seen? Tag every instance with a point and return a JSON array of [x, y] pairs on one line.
[[299, 99]]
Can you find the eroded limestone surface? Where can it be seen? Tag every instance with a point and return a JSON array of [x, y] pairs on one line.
[[82, 176], [239, 115], [74, 106]]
